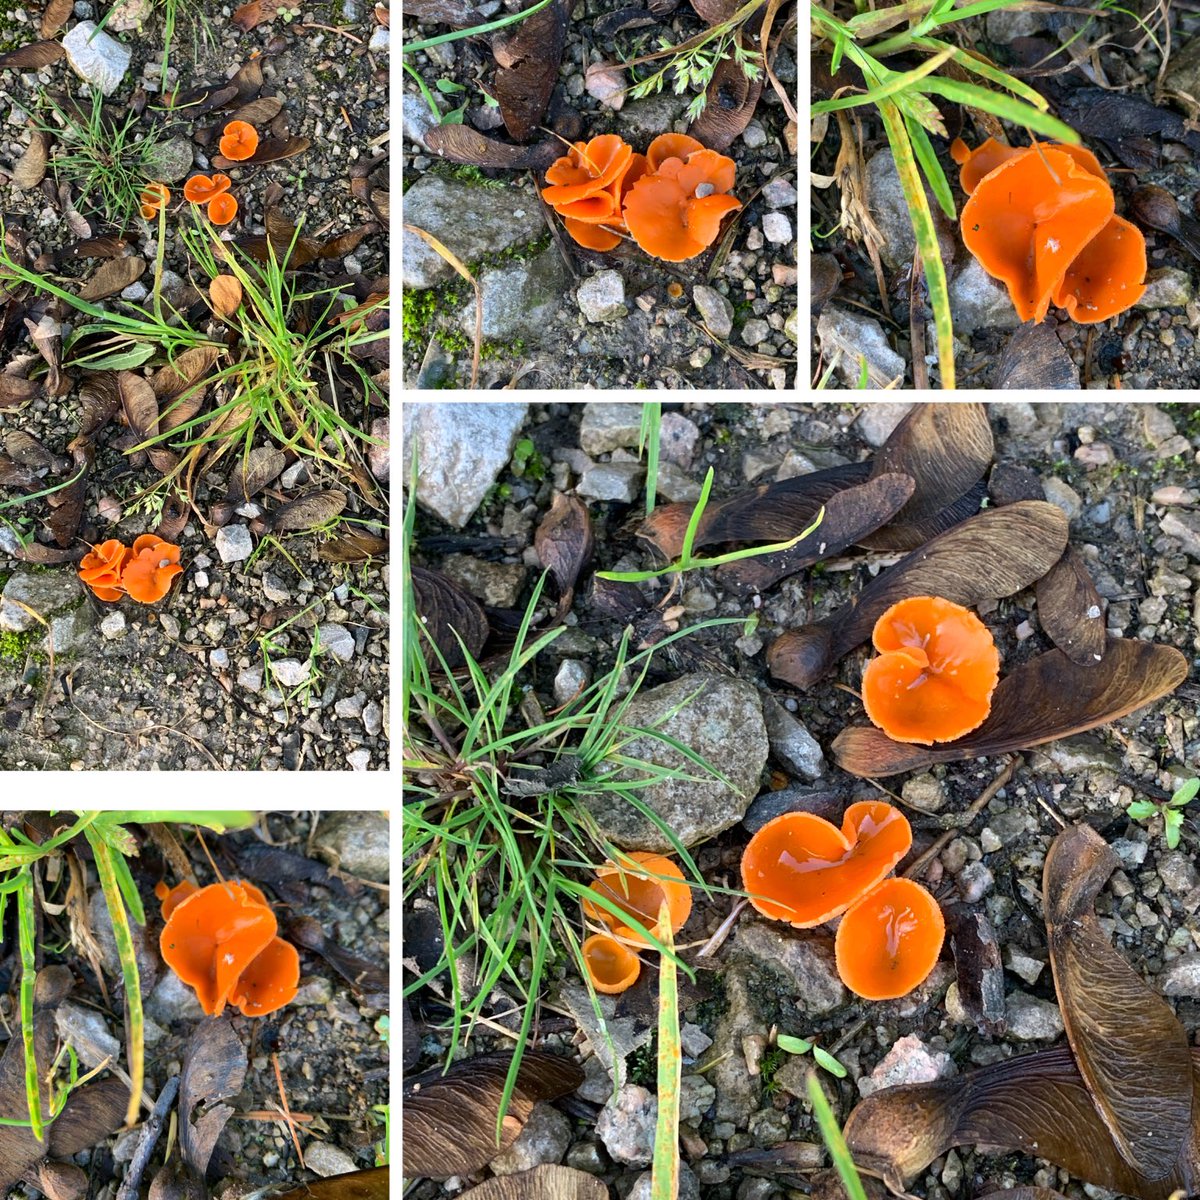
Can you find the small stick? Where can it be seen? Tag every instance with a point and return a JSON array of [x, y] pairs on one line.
[[331, 29], [286, 1111], [717, 940], [148, 1140]]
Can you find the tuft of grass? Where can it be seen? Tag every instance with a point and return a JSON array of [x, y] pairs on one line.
[[648, 443]]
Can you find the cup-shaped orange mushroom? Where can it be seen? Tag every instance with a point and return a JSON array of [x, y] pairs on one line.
[[936, 670], [200, 189], [222, 209], [1031, 221], [221, 941], [154, 196], [670, 145], [239, 141], [589, 168], [611, 966], [638, 885], [675, 212], [802, 869], [890, 940], [152, 565], [101, 568]]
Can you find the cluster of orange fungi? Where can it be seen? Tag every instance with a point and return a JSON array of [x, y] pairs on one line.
[[221, 941], [637, 888], [670, 200], [238, 143], [1041, 220], [143, 572], [936, 671], [802, 869], [154, 196]]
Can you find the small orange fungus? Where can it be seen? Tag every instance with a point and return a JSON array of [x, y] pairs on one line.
[[152, 565], [221, 941], [638, 886], [802, 869], [1041, 220], [200, 189], [222, 209], [935, 674], [101, 569], [890, 940], [239, 141], [154, 196], [611, 966]]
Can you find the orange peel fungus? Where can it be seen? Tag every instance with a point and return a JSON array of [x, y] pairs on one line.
[[154, 196], [144, 573], [935, 673], [101, 568], [640, 893], [611, 965], [1041, 219], [221, 941], [213, 190], [803, 869], [239, 140]]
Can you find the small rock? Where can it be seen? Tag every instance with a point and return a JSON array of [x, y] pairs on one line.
[[754, 136], [234, 543], [336, 640], [1031, 1019], [87, 1032], [779, 193], [274, 589], [689, 1185], [714, 309], [1181, 976], [1185, 528], [290, 672], [606, 82], [1166, 287], [610, 426], [296, 474], [626, 1126], [602, 297], [327, 1160], [1063, 495], [380, 40], [372, 718], [1177, 872], [350, 707], [170, 161], [974, 882], [977, 301], [777, 228], [674, 486], [135, 293], [925, 792], [587, 1156], [1023, 965], [755, 332], [379, 452], [356, 842], [693, 1041], [696, 1095], [611, 481], [545, 1139], [677, 437], [853, 335], [572, 677], [359, 760], [97, 58], [250, 678], [315, 991], [908, 1061], [57, 597], [877, 421], [172, 1000], [791, 743], [113, 626]]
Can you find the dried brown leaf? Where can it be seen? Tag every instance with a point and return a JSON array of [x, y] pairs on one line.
[[732, 99], [347, 243], [14, 474], [564, 543], [269, 150], [214, 1068], [32, 57], [309, 511], [352, 547], [991, 555], [458, 14], [225, 292], [1129, 1046], [462, 144], [450, 1119], [15, 392], [259, 112], [371, 1184], [249, 78], [529, 59], [46, 336], [99, 399], [54, 17], [1069, 609], [27, 450], [1048, 698], [113, 276], [139, 404], [30, 168], [445, 610], [548, 1182], [254, 472], [66, 505], [249, 16], [100, 247]]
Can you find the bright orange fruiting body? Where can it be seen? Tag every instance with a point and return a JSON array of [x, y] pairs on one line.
[[202, 188], [889, 941], [638, 885], [802, 869], [101, 569], [935, 673], [221, 941], [239, 141], [611, 966], [222, 209], [153, 563], [1041, 220], [154, 196]]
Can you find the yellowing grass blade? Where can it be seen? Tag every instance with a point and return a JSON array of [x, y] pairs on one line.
[[664, 1177], [452, 259]]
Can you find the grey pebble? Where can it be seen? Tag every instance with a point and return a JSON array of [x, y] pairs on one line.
[[234, 543]]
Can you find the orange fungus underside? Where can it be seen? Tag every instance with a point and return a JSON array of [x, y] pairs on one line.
[[611, 966], [802, 869], [221, 941], [890, 940], [935, 673], [638, 887], [1041, 220]]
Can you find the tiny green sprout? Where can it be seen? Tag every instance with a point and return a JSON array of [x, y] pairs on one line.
[[1171, 810], [825, 1060]]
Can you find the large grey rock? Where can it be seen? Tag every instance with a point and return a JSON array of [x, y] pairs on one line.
[[1185, 528], [57, 597], [460, 449], [472, 222], [602, 297], [908, 1061], [611, 481], [519, 300], [640, 121], [145, 949], [171, 160], [99, 60], [738, 1091], [610, 426], [977, 301], [718, 718], [889, 210], [788, 962], [626, 1126], [612, 1038], [850, 335], [355, 842], [416, 119], [1181, 976]]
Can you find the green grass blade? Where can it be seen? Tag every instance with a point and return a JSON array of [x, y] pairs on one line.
[[926, 235], [27, 936], [895, 83], [1005, 107], [927, 157], [974, 62], [834, 1142], [664, 1176]]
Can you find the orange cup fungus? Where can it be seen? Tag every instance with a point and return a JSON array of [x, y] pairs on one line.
[[670, 202], [890, 940], [239, 141], [144, 573], [802, 869], [154, 196], [214, 191], [1041, 220], [221, 941], [641, 893], [935, 674], [611, 965]]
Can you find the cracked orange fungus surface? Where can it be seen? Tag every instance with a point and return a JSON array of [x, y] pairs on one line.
[[638, 887], [802, 869], [890, 940], [1041, 219], [611, 966], [935, 674]]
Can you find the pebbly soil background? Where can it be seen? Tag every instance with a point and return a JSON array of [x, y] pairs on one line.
[[1125, 475], [331, 867], [189, 683], [1132, 98], [563, 316]]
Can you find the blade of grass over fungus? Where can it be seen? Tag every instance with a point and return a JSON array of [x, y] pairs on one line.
[[1007, 108], [839, 1152], [664, 1179]]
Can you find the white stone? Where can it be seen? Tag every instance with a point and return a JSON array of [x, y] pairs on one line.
[[99, 60], [234, 543]]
